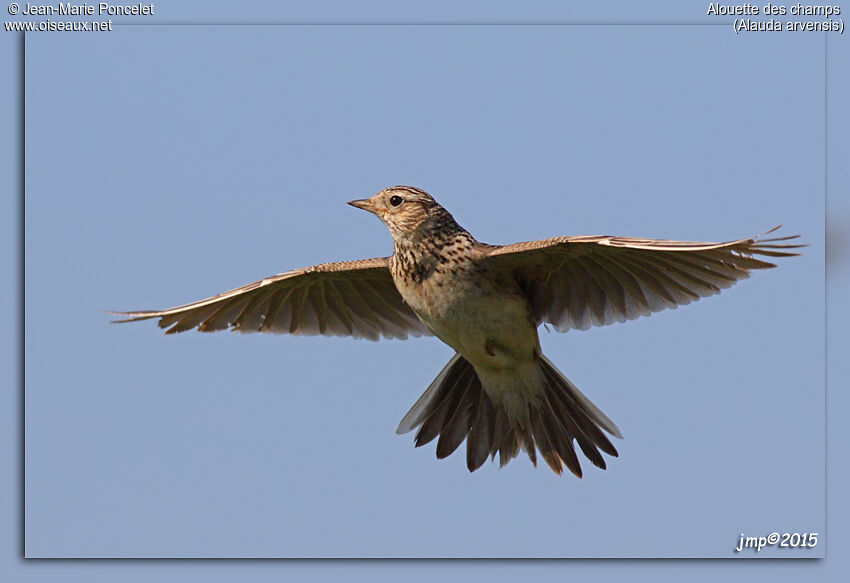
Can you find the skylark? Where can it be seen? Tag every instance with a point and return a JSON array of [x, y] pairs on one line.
[[498, 391]]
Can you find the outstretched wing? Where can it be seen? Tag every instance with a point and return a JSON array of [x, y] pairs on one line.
[[352, 298], [578, 282]]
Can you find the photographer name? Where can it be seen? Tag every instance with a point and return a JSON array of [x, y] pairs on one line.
[[86, 9]]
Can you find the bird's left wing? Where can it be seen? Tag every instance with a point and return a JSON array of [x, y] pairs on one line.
[[352, 298], [578, 282]]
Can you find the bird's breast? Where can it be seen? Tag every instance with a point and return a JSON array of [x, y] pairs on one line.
[[483, 319]]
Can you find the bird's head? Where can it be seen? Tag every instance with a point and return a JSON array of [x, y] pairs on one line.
[[405, 210]]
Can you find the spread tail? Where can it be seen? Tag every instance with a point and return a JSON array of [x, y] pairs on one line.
[[456, 406]]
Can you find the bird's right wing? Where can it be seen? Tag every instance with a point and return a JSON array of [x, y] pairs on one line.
[[351, 298], [578, 282]]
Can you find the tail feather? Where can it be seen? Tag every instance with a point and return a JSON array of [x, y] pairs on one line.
[[434, 394], [528, 444], [509, 445], [504, 438], [434, 407], [457, 425], [544, 442], [561, 444], [575, 419], [583, 402], [456, 406], [479, 441]]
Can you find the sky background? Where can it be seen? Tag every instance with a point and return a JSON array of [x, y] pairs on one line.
[[165, 164]]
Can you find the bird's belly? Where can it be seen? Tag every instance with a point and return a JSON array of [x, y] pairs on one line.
[[489, 326]]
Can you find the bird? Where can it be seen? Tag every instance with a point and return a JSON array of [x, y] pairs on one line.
[[498, 392]]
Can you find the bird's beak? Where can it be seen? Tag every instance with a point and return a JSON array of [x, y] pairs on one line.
[[364, 203]]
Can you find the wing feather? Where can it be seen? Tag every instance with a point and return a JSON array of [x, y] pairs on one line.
[[352, 298], [577, 282]]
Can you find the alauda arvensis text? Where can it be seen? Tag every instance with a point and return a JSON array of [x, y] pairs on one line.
[[485, 301]]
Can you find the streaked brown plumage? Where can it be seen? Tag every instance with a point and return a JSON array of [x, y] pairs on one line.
[[486, 301]]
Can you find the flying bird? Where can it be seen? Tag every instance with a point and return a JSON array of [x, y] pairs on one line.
[[498, 392]]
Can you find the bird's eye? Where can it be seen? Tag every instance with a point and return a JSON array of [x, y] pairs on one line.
[[396, 200]]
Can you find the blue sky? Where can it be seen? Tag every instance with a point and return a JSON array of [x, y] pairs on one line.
[[191, 160]]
